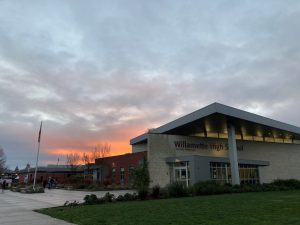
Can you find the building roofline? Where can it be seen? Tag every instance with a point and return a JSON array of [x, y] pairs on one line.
[[222, 109]]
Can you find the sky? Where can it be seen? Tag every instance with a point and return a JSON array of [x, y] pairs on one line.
[[107, 71]]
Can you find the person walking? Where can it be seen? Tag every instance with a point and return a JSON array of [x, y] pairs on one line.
[[49, 183], [3, 185], [52, 181]]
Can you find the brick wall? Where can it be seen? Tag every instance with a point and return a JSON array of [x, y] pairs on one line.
[[125, 161]]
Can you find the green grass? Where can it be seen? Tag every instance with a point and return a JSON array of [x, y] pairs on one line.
[[268, 208]]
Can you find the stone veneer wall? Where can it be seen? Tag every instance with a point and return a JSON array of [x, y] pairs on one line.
[[284, 158]]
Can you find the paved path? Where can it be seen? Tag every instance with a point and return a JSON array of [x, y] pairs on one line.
[[16, 208]]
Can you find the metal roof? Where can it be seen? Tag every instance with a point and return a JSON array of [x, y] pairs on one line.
[[215, 117]]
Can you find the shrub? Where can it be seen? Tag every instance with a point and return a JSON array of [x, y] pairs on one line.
[[210, 188], [91, 199], [81, 186], [94, 186], [250, 188], [120, 198], [142, 180], [76, 179], [155, 191], [290, 184], [71, 204], [163, 193], [130, 197], [108, 197], [177, 189], [143, 193], [30, 190]]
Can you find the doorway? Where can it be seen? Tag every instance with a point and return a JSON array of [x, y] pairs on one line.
[[180, 173]]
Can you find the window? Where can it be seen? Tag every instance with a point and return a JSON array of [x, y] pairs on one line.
[[221, 172], [99, 178], [113, 175], [122, 175], [248, 174], [180, 172], [296, 141], [131, 175]]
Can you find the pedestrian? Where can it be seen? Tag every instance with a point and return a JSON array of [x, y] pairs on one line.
[[49, 183], [3, 185]]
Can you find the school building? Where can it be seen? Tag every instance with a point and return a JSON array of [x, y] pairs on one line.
[[221, 143]]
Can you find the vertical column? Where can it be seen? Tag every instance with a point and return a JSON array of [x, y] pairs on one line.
[[235, 176], [186, 174]]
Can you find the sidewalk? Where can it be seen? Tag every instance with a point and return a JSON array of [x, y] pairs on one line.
[[16, 208]]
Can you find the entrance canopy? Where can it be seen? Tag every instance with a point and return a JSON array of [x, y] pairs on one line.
[[212, 120]]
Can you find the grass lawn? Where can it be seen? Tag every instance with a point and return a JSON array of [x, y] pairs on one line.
[[268, 208]]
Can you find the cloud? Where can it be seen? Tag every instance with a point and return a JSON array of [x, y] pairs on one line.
[[105, 71]]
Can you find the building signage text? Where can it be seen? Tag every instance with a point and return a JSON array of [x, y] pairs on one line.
[[184, 145]]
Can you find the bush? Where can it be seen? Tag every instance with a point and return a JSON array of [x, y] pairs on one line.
[[94, 186], [30, 190], [290, 184], [76, 179], [163, 193], [91, 199], [155, 191], [130, 197], [120, 198], [210, 188], [142, 180], [143, 193], [177, 189], [250, 188], [80, 186], [108, 197], [71, 204]]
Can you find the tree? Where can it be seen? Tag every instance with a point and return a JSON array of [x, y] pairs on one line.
[[87, 160], [142, 179], [17, 169], [2, 161], [73, 160], [100, 151]]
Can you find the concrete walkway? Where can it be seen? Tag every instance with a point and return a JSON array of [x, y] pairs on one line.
[[16, 208]]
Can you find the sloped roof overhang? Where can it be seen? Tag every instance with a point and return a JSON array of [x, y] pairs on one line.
[[215, 117]]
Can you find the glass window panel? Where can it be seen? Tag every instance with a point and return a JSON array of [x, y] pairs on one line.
[[287, 141], [257, 138], [238, 136], [221, 135], [296, 141], [248, 138], [279, 140], [212, 135], [269, 139]]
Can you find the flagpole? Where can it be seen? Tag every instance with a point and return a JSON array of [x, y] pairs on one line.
[[37, 157]]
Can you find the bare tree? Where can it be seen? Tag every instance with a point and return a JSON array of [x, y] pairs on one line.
[[86, 159], [2, 161], [73, 160], [101, 151]]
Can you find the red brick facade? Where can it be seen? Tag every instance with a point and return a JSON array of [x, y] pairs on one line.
[[118, 169], [60, 175]]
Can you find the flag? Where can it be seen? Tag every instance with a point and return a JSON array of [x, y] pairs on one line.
[[39, 140]]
